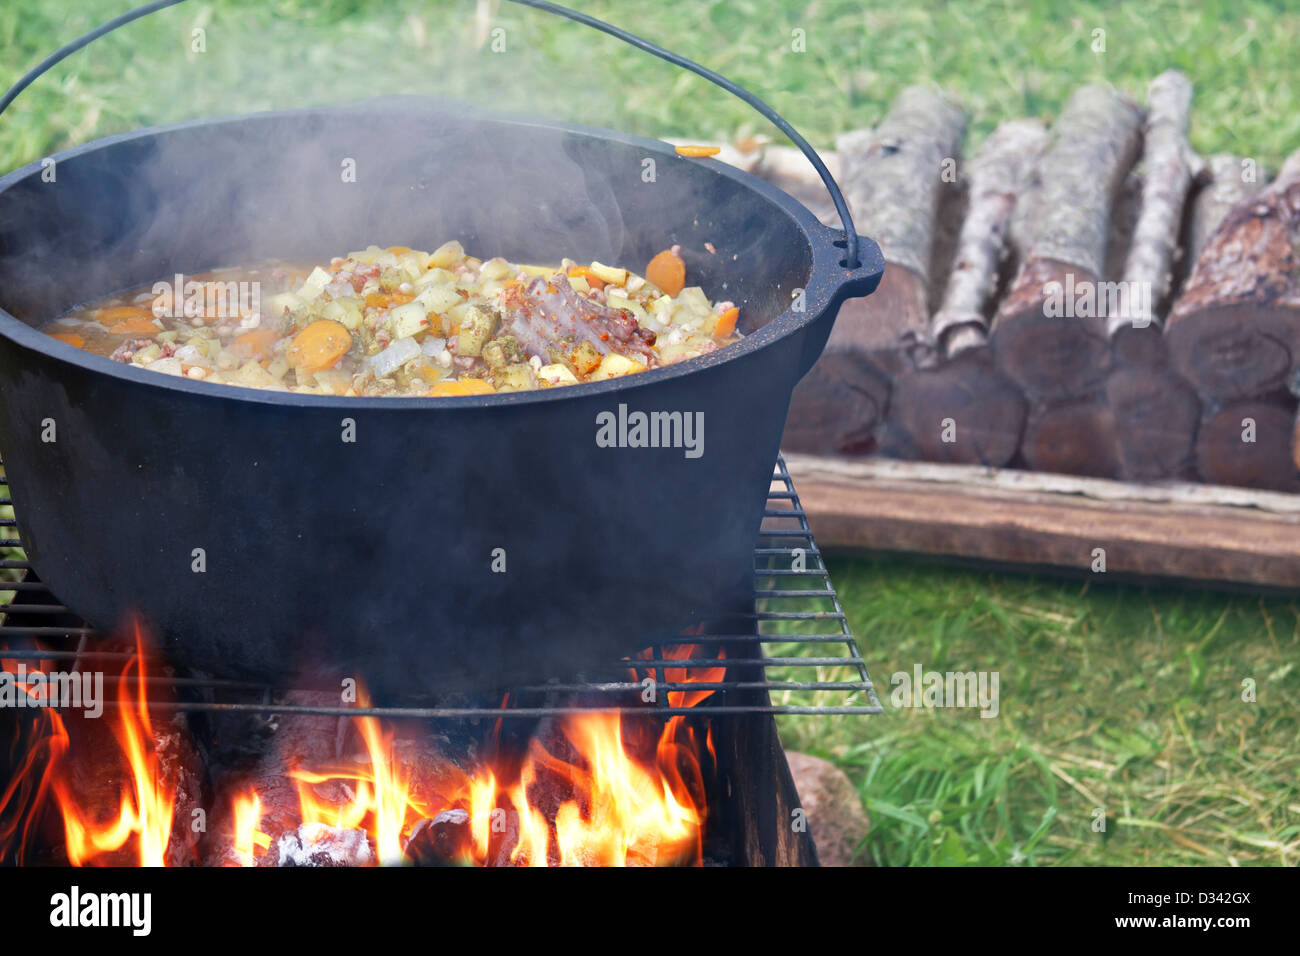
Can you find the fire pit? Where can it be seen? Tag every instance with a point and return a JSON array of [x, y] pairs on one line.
[[669, 757]]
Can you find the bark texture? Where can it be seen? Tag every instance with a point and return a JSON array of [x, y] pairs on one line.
[[891, 178], [1055, 357], [1233, 331]]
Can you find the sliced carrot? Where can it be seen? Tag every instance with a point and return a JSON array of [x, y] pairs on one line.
[[117, 313], [464, 386], [319, 346], [667, 271], [386, 300], [593, 280], [255, 344], [726, 323], [72, 338], [698, 152], [137, 325]]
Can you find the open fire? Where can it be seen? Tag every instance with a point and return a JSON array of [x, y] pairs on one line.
[[587, 788]]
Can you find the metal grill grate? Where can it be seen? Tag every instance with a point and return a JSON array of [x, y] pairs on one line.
[[793, 654]]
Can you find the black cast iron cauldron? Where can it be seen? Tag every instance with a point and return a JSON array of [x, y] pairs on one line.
[[254, 539]]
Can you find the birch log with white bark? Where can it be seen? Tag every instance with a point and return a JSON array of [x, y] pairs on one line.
[[891, 179], [1155, 411], [965, 410], [1062, 356]]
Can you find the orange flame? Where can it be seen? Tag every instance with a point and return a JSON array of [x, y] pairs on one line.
[[147, 801], [598, 805], [383, 803], [42, 748], [592, 791], [247, 809]]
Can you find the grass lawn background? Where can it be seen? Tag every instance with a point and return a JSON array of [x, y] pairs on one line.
[[1117, 700]]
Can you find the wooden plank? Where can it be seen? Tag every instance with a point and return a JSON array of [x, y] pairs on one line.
[[1174, 529]]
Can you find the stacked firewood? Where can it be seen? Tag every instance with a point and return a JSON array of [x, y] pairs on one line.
[[1091, 298]]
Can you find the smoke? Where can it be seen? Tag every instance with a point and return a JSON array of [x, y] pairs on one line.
[[400, 160]]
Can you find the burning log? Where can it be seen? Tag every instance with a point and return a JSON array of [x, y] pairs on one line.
[[444, 840], [892, 180], [90, 792], [1233, 330], [319, 844], [299, 740], [965, 410], [1249, 442], [1049, 335], [1155, 411]]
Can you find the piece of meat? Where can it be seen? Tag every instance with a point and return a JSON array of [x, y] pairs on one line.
[[550, 319]]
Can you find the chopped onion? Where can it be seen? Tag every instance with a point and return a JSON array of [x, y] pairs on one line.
[[191, 355], [432, 347], [394, 357], [168, 366]]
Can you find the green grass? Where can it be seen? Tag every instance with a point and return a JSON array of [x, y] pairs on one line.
[[1002, 59], [1121, 699], [1118, 698]]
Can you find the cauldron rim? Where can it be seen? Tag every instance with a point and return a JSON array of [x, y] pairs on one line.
[[822, 291]]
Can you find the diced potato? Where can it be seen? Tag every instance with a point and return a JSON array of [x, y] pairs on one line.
[[168, 366], [278, 304], [253, 375], [475, 329], [278, 368], [610, 274], [614, 365], [503, 351], [694, 299], [514, 378], [586, 358], [147, 354], [438, 298], [346, 312], [579, 284], [447, 254], [661, 309], [408, 319], [496, 268], [556, 374], [333, 382], [616, 300], [540, 271], [314, 284], [367, 255]]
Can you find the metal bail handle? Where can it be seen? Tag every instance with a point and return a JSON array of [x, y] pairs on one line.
[[851, 260]]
